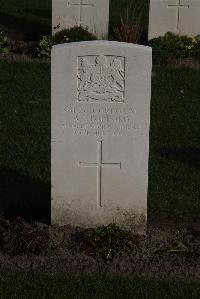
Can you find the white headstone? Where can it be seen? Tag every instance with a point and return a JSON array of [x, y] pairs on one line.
[[100, 133], [178, 16], [93, 14]]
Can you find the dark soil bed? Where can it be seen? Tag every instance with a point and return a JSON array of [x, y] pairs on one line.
[[171, 249]]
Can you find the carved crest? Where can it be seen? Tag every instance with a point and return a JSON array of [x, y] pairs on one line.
[[101, 78]]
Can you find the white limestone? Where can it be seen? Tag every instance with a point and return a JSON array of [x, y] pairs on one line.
[[100, 133], [179, 16], [93, 14]]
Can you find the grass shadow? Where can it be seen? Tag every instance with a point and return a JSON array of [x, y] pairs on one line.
[[24, 28], [43, 13], [24, 197], [189, 156]]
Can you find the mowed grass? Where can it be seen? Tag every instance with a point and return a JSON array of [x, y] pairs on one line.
[[174, 166], [33, 285], [174, 170], [25, 19], [25, 138]]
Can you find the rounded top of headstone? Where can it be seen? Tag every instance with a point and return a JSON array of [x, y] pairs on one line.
[[99, 43]]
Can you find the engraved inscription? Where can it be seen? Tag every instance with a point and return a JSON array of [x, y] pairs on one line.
[[101, 78], [178, 6], [103, 121], [80, 4], [99, 165]]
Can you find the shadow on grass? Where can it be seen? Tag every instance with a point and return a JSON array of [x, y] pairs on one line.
[[189, 156], [43, 13], [24, 28], [24, 197]]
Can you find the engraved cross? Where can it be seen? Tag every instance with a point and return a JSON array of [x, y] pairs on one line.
[[80, 4], [99, 165], [178, 6]]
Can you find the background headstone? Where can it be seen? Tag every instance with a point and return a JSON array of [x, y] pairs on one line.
[[93, 14], [100, 133], [179, 16]]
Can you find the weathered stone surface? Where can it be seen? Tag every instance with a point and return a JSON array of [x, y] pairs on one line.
[[100, 133], [178, 16], [93, 14]]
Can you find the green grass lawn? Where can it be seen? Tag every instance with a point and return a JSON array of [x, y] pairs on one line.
[[174, 169], [25, 138], [25, 19], [21, 285]]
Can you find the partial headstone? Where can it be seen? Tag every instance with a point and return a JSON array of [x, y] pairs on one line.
[[100, 133], [178, 16], [91, 14]]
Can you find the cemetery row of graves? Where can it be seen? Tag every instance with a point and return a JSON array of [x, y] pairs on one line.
[[25, 167], [128, 22]]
